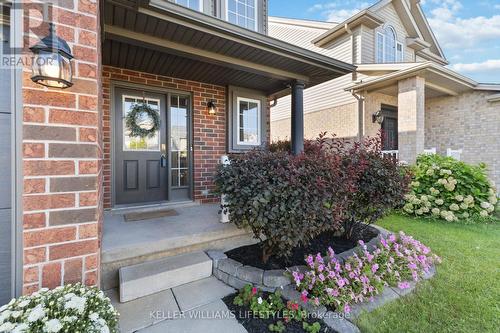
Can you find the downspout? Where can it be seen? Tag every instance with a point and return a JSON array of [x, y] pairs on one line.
[[361, 112]]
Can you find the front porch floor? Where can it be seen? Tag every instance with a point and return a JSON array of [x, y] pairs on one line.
[[193, 225], [195, 228]]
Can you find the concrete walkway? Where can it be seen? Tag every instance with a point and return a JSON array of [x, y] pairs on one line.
[[190, 308]]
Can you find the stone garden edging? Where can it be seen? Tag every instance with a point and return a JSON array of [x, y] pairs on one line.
[[238, 276]]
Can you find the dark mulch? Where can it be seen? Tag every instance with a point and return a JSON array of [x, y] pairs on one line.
[[256, 325], [252, 255]]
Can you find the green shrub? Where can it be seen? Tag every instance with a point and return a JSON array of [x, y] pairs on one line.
[[72, 308], [448, 189]]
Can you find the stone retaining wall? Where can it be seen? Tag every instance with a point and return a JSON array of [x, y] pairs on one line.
[[238, 275]]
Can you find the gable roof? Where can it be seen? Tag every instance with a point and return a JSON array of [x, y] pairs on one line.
[[412, 18]]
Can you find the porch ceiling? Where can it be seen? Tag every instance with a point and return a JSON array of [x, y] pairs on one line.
[[166, 39]]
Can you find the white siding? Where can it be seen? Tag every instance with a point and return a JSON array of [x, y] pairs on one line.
[[390, 16], [367, 45], [302, 36], [320, 97]]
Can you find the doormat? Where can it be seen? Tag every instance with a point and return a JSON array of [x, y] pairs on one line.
[[142, 216]]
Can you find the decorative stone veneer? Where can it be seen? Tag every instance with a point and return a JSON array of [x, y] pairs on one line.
[[209, 132], [340, 120], [468, 122], [62, 211]]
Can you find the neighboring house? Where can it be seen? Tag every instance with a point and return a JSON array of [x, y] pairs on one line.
[[210, 71], [401, 86]]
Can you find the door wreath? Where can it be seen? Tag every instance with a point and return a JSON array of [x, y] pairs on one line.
[[137, 126]]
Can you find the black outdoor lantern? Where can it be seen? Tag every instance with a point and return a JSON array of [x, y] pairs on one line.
[[52, 61], [212, 108], [378, 117]]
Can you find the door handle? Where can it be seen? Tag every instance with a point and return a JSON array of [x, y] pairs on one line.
[[163, 161]]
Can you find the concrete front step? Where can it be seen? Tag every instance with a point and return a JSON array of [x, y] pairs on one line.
[[154, 276]]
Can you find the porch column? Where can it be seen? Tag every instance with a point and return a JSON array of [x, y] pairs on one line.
[[297, 141], [411, 106]]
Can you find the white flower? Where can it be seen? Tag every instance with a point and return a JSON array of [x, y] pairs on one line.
[[53, 326], [16, 314], [23, 327], [465, 215], [459, 198], [77, 303], [6, 327], [38, 312], [5, 315], [485, 205], [259, 300], [493, 200], [430, 172], [439, 202], [24, 303], [94, 316], [3, 307], [483, 213], [436, 211], [454, 207]]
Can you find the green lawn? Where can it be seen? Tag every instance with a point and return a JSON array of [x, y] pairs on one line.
[[464, 296]]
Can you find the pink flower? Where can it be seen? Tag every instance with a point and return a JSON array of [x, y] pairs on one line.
[[403, 285], [303, 296], [374, 268], [321, 268], [321, 277], [347, 308], [340, 283], [254, 291]]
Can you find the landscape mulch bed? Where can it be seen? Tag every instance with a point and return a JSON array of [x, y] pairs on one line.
[[251, 255], [256, 325]]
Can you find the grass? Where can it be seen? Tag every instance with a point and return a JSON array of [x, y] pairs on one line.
[[464, 296]]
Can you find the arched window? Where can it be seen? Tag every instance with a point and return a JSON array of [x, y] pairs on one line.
[[389, 50]]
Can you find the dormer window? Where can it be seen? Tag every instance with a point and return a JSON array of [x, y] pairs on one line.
[[193, 4], [389, 50], [242, 13]]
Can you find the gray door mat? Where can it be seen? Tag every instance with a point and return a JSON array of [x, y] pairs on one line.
[[142, 216]]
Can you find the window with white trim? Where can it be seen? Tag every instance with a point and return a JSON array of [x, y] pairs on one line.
[[399, 52], [388, 49], [248, 121], [242, 13], [193, 4]]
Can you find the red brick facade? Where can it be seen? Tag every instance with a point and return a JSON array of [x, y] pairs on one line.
[[62, 210], [209, 132]]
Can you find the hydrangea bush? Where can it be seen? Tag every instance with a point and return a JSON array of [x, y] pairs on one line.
[[445, 188], [72, 308], [396, 261]]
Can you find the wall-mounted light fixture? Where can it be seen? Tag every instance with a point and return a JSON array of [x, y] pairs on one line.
[[211, 107], [52, 61], [377, 117]]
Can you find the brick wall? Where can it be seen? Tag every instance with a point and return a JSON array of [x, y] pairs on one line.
[[340, 120], [468, 122], [209, 132], [61, 159]]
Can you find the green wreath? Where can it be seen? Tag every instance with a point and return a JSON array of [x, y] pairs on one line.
[[135, 129]]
